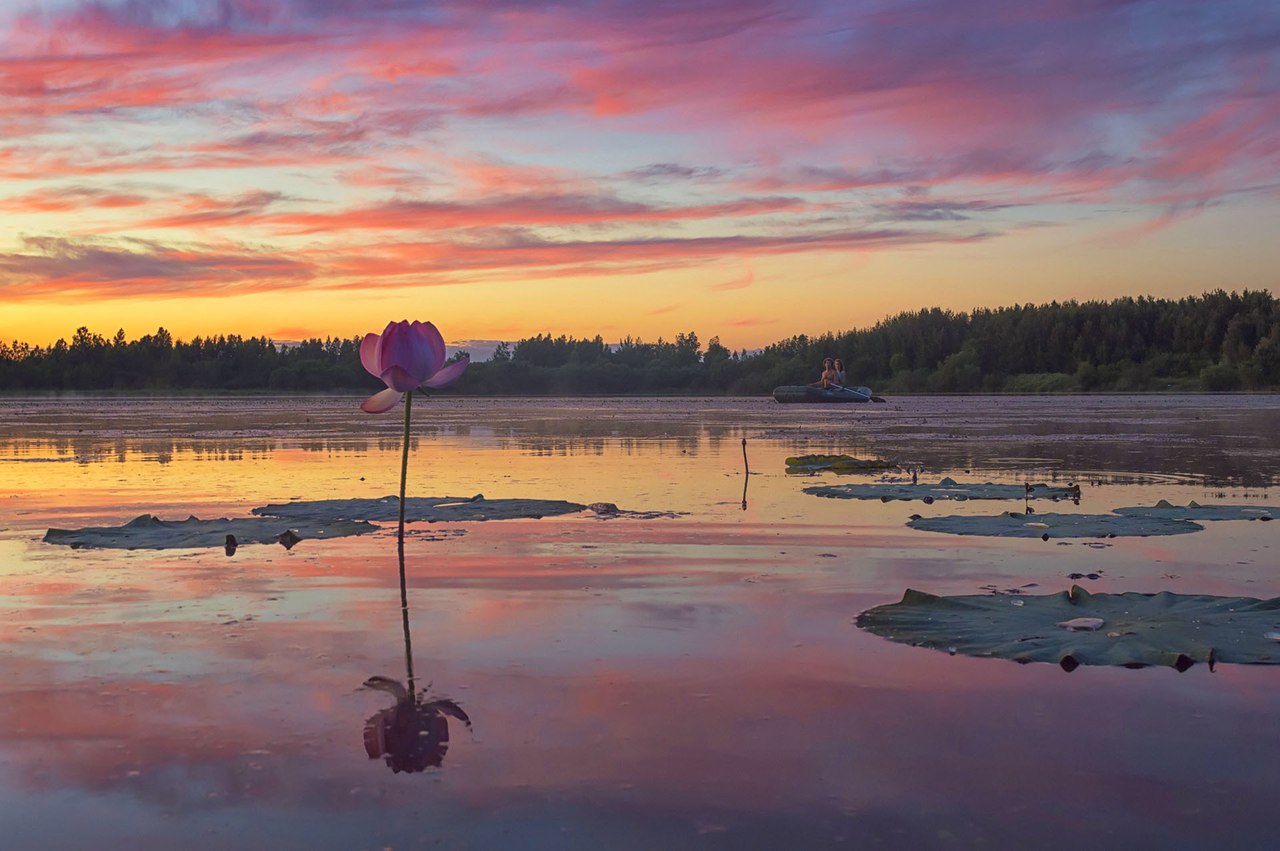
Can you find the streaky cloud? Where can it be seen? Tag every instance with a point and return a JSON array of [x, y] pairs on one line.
[[63, 269]]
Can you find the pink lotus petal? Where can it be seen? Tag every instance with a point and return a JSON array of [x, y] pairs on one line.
[[396, 347], [429, 338], [399, 379], [382, 401], [402, 346], [369, 353], [425, 361], [450, 373]]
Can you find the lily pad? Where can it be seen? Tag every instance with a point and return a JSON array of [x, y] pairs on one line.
[[838, 464], [946, 488], [1015, 524], [293, 521], [430, 509], [1135, 630], [1195, 511], [148, 532]]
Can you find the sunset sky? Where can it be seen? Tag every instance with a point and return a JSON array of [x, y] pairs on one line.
[[740, 168]]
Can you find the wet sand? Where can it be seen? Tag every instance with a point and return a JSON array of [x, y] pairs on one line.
[[692, 681]]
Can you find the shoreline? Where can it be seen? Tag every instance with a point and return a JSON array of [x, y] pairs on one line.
[[349, 394]]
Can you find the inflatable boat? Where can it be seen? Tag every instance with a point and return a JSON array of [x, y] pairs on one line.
[[802, 393]]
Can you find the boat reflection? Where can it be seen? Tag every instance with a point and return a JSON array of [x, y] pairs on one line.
[[413, 734]]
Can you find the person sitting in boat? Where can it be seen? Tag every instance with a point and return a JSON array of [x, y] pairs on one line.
[[828, 379], [840, 374]]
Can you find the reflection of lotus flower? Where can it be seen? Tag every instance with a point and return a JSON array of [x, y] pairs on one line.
[[405, 357], [413, 735]]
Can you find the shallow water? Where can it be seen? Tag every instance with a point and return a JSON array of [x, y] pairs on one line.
[[641, 682]]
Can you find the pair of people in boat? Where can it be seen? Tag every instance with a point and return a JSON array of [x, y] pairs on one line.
[[833, 375]]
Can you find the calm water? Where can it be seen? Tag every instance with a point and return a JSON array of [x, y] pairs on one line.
[[668, 682]]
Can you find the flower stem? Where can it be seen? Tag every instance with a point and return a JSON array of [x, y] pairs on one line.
[[404, 461], [404, 617]]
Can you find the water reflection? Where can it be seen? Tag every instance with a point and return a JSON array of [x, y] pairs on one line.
[[413, 734], [183, 699], [1227, 441]]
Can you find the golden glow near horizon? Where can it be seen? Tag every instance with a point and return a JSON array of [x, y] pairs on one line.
[[305, 171]]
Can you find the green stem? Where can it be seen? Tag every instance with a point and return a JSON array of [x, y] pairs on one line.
[[404, 617], [404, 461]]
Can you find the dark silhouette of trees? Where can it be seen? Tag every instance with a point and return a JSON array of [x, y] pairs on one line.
[[1217, 341]]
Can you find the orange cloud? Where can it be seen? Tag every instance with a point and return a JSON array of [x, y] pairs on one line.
[[737, 283], [73, 198]]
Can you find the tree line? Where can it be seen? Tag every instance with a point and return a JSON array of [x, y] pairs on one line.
[[1217, 341]]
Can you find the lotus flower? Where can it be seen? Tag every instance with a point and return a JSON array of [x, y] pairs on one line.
[[406, 357]]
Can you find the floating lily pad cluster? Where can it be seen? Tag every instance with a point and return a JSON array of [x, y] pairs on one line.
[[1195, 511], [1074, 628], [838, 464], [428, 509], [290, 522], [946, 488], [148, 532], [1135, 521]]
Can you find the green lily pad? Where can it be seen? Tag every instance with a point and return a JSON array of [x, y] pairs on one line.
[[430, 509], [838, 464], [1073, 628], [1015, 524], [1196, 511], [946, 488], [148, 532]]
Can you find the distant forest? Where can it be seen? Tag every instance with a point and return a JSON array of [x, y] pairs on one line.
[[1218, 341]]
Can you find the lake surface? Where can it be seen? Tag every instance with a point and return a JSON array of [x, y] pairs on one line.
[[647, 681]]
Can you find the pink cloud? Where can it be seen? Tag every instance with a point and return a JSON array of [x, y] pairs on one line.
[[520, 254], [63, 269], [60, 268], [737, 283], [61, 200], [1238, 135], [509, 211], [508, 125], [201, 211]]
